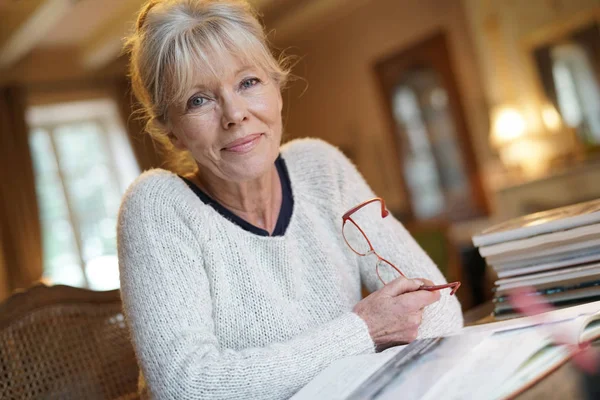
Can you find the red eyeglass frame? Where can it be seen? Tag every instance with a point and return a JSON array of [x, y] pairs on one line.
[[384, 213]]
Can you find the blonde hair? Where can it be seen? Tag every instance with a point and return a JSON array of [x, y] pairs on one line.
[[174, 39]]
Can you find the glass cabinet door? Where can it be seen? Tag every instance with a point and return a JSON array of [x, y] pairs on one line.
[[428, 127]]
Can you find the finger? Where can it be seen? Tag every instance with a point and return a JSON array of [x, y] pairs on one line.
[[401, 285], [429, 283], [418, 300], [426, 281]]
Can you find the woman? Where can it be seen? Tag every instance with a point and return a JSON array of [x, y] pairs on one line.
[[236, 280]]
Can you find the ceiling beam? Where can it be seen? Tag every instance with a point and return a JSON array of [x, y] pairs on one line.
[[32, 29], [106, 44]]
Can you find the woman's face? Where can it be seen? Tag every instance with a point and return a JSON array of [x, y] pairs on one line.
[[230, 124]]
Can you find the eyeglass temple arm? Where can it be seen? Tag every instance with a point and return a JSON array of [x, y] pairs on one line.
[[454, 286], [384, 211]]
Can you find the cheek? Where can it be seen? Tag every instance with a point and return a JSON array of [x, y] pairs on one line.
[[198, 131], [273, 118], [268, 104]]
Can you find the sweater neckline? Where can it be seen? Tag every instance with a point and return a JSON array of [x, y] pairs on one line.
[[285, 212]]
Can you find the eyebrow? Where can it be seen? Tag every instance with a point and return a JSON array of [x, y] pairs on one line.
[[200, 86]]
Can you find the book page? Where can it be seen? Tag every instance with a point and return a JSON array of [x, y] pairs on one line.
[[415, 379], [479, 373], [565, 319], [343, 376], [439, 370], [535, 368]]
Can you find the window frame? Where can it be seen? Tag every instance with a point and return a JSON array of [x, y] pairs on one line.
[[103, 113]]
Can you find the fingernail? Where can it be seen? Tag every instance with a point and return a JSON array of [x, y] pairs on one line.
[[420, 283]]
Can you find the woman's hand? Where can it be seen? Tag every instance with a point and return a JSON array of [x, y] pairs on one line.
[[394, 312]]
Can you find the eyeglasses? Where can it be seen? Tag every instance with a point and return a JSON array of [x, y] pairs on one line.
[[359, 243]]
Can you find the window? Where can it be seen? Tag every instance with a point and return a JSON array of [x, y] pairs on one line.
[[577, 90], [83, 163], [568, 64]]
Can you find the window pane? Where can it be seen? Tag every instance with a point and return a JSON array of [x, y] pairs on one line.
[[95, 195], [61, 260], [65, 269], [83, 163], [51, 196], [103, 272], [44, 161], [80, 146]]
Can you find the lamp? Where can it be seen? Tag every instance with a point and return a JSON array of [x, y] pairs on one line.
[[508, 125], [517, 145], [551, 118]]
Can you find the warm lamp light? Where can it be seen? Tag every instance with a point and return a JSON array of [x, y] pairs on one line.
[[529, 154], [508, 125], [551, 117], [528, 145]]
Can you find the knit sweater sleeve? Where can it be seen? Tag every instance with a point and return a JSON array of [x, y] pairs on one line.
[[394, 243], [166, 296]]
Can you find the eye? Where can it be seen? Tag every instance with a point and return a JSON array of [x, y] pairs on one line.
[[196, 101], [249, 82]]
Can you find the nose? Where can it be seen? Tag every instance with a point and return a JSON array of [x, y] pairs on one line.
[[235, 110]]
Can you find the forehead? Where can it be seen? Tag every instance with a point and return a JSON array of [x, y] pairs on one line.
[[219, 69], [210, 68]]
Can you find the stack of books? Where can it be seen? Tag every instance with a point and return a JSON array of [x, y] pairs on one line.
[[555, 252]]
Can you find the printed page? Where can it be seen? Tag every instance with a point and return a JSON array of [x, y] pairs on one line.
[[343, 376], [492, 365], [479, 374], [500, 347], [414, 380]]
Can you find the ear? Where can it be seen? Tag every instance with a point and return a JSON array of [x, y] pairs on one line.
[[176, 142], [280, 99], [166, 126]]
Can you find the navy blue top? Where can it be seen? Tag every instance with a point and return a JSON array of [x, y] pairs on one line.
[[285, 213]]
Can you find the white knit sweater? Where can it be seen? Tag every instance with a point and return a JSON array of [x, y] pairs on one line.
[[219, 312]]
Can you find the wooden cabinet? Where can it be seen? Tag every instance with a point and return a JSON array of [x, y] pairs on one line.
[[428, 127]]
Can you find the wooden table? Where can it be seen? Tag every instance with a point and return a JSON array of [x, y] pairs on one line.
[[565, 383]]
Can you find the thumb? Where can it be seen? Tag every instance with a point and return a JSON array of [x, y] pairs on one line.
[[402, 285]]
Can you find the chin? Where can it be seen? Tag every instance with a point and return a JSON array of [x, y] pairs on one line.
[[250, 168]]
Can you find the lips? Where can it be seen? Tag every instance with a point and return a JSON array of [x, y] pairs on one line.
[[244, 144]]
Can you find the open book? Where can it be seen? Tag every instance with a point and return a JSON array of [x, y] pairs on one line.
[[500, 359]]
